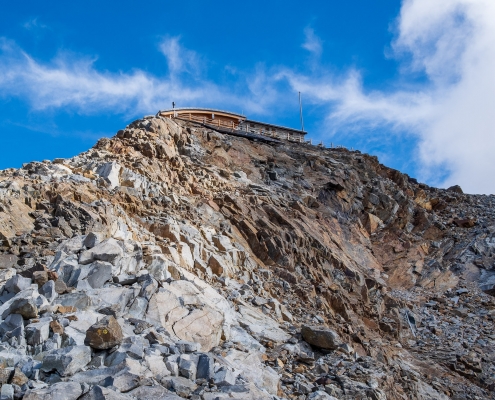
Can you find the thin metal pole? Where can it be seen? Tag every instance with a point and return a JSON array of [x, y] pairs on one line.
[[300, 112]]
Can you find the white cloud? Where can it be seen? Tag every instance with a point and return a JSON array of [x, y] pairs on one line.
[[69, 82], [312, 42], [179, 59], [76, 83], [34, 23], [450, 43]]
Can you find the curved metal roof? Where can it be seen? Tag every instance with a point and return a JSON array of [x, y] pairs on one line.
[[212, 110]]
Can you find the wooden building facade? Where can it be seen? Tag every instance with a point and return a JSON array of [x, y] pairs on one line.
[[229, 120]]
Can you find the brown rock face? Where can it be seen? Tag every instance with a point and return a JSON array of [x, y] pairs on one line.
[[40, 277], [322, 337], [105, 334], [291, 233], [24, 307]]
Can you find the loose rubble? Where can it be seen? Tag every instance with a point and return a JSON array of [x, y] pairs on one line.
[[173, 261]]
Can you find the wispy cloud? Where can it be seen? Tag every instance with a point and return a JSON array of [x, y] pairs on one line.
[[312, 42], [180, 59], [34, 23], [448, 42], [75, 82]]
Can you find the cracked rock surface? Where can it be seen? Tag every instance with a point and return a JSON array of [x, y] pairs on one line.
[[172, 261]]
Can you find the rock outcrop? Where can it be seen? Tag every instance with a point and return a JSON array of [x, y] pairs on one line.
[[172, 261]]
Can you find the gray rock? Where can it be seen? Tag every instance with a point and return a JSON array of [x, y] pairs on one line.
[[17, 283], [58, 391], [155, 392], [125, 279], [38, 332], [125, 381], [12, 326], [320, 395], [99, 274], [67, 361], [187, 346], [182, 386], [92, 239], [224, 376], [108, 251], [7, 261], [67, 269], [7, 392], [94, 376], [103, 393], [320, 336], [173, 367], [110, 172], [149, 285], [206, 367], [78, 299], [48, 290], [138, 308], [188, 366], [72, 245], [135, 346], [25, 307]]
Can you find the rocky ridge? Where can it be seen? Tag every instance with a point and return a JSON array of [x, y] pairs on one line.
[[173, 261]]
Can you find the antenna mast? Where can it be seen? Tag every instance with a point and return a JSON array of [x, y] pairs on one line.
[[300, 112]]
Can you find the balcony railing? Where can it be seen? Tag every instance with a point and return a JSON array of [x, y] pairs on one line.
[[259, 130]]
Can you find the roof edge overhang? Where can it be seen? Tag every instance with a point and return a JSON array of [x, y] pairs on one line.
[[209, 110], [277, 126]]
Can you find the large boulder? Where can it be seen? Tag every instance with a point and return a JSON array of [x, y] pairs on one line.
[[202, 325], [320, 336], [105, 334]]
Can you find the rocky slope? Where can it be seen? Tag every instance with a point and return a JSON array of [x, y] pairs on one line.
[[173, 261]]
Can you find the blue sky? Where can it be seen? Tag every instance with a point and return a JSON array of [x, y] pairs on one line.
[[408, 81]]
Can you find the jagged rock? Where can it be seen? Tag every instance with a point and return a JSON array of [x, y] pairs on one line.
[[67, 361], [188, 364], [182, 386], [105, 334], [98, 274], [111, 173], [208, 253], [92, 239], [17, 283], [156, 392], [60, 390], [7, 261], [7, 392], [205, 367], [40, 277], [49, 291], [455, 189], [225, 376], [322, 337], [108, 251], [22, 306], [320, 395], [104, 393], [38, 332], [261, 325], [12, 326]]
